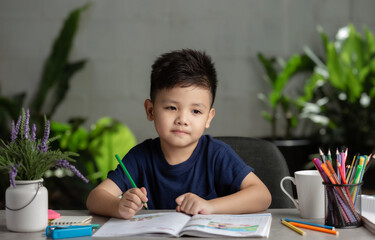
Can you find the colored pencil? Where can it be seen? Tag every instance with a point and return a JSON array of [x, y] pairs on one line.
[[129, 177], [328, 173], [354, 169], [322, 155], [345, 155], [370, 161], [296, 229], [318, 164], [319, 229], [329, 155], [338, 162], [342, 175], [350, 169], [308, 223]]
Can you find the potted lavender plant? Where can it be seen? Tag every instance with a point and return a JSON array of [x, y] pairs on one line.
[[26, 158]]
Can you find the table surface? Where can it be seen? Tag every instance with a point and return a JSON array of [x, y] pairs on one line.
[[278, 231]]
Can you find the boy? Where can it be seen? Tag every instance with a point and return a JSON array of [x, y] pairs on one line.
[[182, 169]]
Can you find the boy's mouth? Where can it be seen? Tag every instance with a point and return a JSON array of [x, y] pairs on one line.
[[179, 132]]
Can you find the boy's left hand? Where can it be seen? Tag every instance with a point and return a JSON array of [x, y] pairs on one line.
[[192, 204]]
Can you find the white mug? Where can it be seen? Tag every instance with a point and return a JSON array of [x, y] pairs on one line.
[[310, 193]]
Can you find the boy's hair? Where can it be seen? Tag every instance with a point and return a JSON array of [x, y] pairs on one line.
[[183, 68]]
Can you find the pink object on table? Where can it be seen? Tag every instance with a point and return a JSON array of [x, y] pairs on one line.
[[52, 214]]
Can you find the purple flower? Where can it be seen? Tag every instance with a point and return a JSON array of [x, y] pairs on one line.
[[44, 147], [15, 129], [14, 133], [65, 164], [27, 128], [13, 173], [33, 133]]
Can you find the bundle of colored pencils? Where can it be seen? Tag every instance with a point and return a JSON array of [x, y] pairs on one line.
[[342, 186], [295, 225]]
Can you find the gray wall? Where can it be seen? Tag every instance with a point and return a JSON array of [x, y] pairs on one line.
[[121, 39]]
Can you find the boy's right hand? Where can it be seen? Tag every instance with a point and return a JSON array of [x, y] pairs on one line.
[[132, 201]]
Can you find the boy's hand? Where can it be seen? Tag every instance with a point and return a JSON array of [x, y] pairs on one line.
[[132, 201], [192, 204]]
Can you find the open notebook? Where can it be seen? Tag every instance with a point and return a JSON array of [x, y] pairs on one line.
[[72, 220], [175, 224], [368, 212]]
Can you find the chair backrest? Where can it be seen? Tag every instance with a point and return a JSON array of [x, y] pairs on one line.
[[268, 163]]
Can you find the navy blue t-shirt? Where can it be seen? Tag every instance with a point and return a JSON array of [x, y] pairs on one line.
[[213, 170]]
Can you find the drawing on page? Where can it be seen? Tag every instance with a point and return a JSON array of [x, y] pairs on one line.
[[229, 227]]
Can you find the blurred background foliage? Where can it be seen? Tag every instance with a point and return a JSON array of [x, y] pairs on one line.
[[56, 75], [337, 93], [281, 104], [341, 92], [96, 146]]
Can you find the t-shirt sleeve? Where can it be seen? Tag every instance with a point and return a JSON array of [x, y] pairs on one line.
[[231, 171], [118, 175]]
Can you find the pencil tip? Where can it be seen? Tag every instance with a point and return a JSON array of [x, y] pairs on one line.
[[145, 205]]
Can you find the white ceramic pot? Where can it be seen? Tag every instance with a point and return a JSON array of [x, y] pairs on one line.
[[26, 206]]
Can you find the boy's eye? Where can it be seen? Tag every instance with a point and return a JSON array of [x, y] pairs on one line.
[[196, 111], [170, 108]]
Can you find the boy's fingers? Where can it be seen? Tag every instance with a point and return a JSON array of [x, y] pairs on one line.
[[180, 199], [136, 196], [144, 197], [141, 193]]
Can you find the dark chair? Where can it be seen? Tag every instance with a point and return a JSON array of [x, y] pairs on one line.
[[268, 163]]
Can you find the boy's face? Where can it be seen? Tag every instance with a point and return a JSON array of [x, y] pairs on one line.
[[180, 115]]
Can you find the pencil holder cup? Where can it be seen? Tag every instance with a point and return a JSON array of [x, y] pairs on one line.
[[343, 205]]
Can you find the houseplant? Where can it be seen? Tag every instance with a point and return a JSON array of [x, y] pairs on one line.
[[57, 73], [26, 158], [282, 105], [105, 138], [342, 89], [97, 147], [342, 92], [283, 110]]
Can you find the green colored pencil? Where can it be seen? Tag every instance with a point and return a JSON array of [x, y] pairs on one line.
[[129, 177]]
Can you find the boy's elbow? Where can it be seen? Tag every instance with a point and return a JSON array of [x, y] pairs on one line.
[[89, 203], [264, 198], [93, 201], [267, 199]]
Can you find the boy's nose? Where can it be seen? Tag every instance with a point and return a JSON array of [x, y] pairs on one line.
[[181, 119]]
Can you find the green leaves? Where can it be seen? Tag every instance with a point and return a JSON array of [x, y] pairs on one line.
[[278, 77], [294, 65], [57, 70], [54, 81], [108, 138], [98, 146], [345, 81]]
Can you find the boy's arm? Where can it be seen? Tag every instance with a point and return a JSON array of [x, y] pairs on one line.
[[253, 196], [104, 200]]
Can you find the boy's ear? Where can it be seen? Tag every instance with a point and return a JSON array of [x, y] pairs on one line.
[[210, 117], [149, 107]]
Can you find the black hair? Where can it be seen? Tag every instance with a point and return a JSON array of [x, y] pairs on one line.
[[183, 68]]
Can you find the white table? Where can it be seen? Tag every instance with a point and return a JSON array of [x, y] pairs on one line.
[[278, 231]]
